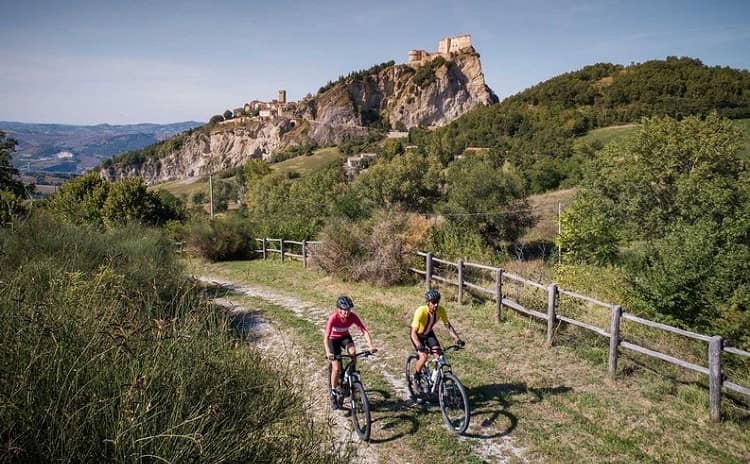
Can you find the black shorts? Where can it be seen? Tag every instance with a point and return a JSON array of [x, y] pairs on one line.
[[337, 344], [429, 340]]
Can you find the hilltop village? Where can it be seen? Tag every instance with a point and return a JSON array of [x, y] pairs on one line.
[[281, 108]]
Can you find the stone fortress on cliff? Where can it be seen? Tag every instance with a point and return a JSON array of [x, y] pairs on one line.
[[280, 107], [446, 46]]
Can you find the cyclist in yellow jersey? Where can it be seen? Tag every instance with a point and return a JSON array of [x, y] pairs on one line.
[[422, 335]]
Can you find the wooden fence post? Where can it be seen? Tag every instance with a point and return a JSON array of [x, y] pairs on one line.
[[460, 266], [304, 253], [715, 347], [428, 270], [498, 293], [281, 247], [614, 340], [265, 249], [551, 301]]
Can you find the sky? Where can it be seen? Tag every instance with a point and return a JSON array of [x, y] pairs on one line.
[[127, 62]]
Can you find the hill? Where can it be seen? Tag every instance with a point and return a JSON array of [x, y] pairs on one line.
[[536, 128], [73, 149], [388, 95]]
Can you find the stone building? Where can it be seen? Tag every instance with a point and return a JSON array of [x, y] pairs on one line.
[[454, 44], [446, 46]]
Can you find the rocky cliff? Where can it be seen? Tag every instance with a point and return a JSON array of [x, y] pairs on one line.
[[397, 96]]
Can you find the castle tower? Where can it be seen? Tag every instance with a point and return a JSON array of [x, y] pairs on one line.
[[282, 97], [454, 44]]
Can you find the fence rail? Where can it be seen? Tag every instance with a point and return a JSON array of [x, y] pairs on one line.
[[303, 255], [716, 348]]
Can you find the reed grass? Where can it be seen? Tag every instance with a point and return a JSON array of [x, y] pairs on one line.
[[109, 354]]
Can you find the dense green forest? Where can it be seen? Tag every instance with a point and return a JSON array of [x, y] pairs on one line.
[[535, 129]]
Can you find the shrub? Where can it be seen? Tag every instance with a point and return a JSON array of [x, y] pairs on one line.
[[224, 238], [372, 252], [383, 264], [341, 250]]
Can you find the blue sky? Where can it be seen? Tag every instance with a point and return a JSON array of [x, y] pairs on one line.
[[90, 62]]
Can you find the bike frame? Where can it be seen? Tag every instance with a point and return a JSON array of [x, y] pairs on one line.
[[348, 374], [442, 366]]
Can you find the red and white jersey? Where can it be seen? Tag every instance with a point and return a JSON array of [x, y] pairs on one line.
[[338, 328]]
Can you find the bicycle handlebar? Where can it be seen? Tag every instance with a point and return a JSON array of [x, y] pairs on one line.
[[447, 348], [454, 347], [361, 354]]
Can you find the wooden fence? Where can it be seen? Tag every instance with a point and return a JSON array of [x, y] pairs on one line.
[[282, 248], [716, 344], [502, 279]]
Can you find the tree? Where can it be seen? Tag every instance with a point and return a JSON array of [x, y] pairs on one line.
[[670, 171], [487, 198], [409, 181], [678, 196], [228, 115], [11, 189], [129, 201], [80, 200], [8, 174], [254, 170], [199, 197], [89, 199], [215, 119], [589, 232]]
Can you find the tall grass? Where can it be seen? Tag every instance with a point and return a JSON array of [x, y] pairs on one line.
[[109, 354]]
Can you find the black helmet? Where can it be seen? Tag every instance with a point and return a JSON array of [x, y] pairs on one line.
[[432, 296], [344, 302]]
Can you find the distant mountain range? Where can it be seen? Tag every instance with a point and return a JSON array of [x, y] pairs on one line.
[[71, 149]]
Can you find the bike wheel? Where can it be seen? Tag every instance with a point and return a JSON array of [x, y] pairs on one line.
[[360, 411], [454, 403]]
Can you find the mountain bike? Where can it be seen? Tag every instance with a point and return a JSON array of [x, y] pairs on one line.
[[350, 385], [439, 381]]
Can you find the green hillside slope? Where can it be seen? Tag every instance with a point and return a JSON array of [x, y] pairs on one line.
[[535, 129]]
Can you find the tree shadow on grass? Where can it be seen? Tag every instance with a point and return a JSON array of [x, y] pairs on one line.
[[493, 402]]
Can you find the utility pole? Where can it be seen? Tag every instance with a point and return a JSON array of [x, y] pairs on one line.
[[211, 195], [559, 231]]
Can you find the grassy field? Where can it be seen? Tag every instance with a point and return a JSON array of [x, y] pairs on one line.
[[606, 135], [305, 164], [546, 208], [538, 403]]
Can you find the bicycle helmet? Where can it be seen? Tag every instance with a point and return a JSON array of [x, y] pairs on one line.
[[432, 296], [345, 303]]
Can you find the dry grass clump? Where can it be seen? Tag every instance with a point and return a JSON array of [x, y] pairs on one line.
[[373, 252]]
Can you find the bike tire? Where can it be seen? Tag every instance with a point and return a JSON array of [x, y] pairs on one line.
[[454, 403], [360, 411]]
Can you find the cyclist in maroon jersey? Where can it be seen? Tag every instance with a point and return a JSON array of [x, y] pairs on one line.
[[337, 336]]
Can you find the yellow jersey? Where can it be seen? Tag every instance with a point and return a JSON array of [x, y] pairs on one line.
[[422, 320]]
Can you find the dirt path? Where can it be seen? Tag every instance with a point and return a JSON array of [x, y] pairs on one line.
[[265, 334]]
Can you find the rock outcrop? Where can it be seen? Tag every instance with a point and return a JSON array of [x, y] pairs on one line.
[[399, 96]]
